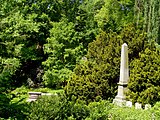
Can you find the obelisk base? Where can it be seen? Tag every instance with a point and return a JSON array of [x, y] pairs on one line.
[[120, 99], [119, 102]]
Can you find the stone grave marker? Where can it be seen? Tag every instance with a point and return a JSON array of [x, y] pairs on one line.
[[33, 96], [128, 103], [138, 105], [147, 106], [120, 99]]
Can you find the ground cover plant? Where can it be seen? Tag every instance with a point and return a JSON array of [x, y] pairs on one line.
[[59, 108]]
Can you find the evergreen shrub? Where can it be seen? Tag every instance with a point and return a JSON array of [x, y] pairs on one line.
[[145, 77], [97, 76], [60, 108], [99, 110], [57, 108]]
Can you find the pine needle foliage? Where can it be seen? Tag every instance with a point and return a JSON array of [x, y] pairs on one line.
[[97, 77], [144, 77]]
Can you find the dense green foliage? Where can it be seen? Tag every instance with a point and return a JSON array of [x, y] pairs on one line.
[[99, 74], [57, 108], [54, 107], [144, 77], [149, 13], [67, 43], [125, 113], [54, 43], [115, 14]]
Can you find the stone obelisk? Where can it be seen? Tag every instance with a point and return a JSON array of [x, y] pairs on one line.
[[120, 99]]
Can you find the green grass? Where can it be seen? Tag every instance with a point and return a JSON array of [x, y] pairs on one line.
[[125, 113]]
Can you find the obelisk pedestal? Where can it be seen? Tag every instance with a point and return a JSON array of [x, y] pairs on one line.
[[120, 99]]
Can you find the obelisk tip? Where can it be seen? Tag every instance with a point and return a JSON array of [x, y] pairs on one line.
[[124, 44]]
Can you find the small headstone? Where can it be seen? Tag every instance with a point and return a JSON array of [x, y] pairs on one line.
[[33, 96], [147, 106], [84, 58], [138, 106], [129, 104]]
